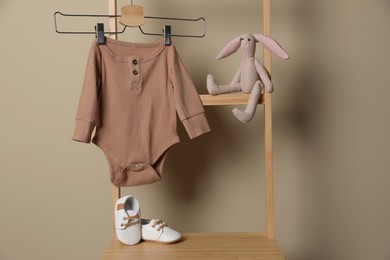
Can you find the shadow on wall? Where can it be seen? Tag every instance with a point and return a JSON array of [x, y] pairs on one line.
[[302, 113], [193, 168]]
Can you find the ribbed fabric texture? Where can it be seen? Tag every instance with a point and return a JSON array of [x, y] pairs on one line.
[[131, 94]]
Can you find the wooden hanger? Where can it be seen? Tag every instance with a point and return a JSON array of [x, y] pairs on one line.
[[132, 15], [99, 28]]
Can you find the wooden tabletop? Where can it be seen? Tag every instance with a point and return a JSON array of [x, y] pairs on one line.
[[201, 246]]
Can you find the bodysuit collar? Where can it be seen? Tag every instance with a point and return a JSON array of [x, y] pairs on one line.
[[155, 47]]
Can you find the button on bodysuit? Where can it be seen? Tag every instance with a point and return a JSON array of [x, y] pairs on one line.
[[131, 94]]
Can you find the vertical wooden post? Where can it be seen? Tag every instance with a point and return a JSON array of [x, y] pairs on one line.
[[269, 193], [113, 27], [112, 21]]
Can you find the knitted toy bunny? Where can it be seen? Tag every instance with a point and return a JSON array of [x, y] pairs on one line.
[[251, 77]]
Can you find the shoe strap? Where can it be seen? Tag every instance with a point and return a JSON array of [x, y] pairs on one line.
[[132, 220], [160, 224]]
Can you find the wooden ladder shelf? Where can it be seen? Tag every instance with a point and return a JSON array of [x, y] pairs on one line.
[[215, 245]]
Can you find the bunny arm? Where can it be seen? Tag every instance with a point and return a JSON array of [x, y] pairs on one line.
[[237, 76], [264, 76]]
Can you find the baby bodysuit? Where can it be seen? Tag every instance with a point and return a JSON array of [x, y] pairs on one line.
[[131, 95]]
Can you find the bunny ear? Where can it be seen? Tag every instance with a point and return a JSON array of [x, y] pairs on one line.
[[230, 48], [272, 45]]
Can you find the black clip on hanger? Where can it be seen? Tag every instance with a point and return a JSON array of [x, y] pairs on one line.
[[99, 28], [167, 35]]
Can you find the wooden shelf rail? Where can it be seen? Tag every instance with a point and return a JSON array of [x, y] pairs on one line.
[[227, 99]]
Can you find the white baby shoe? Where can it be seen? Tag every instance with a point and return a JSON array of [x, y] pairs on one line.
[[157, 230], [128, 220]]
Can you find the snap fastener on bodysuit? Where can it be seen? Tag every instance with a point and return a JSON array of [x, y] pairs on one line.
[[136, 167], [135, 62], [135, 72]]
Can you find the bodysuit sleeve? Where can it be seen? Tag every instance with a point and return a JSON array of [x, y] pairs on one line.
[[187, 102], [87, 116]]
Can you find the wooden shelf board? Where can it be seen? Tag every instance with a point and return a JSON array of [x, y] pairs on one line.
[[227, 99], [201, 246]]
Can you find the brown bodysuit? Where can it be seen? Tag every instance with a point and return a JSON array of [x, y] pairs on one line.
[[131, 94]]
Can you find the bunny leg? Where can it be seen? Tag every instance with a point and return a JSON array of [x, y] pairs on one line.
[[247, 115], [214, 89]]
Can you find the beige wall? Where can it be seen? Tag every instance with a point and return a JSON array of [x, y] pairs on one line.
[[331, 133]]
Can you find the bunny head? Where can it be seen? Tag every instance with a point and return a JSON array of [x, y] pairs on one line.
[[248, 44]]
